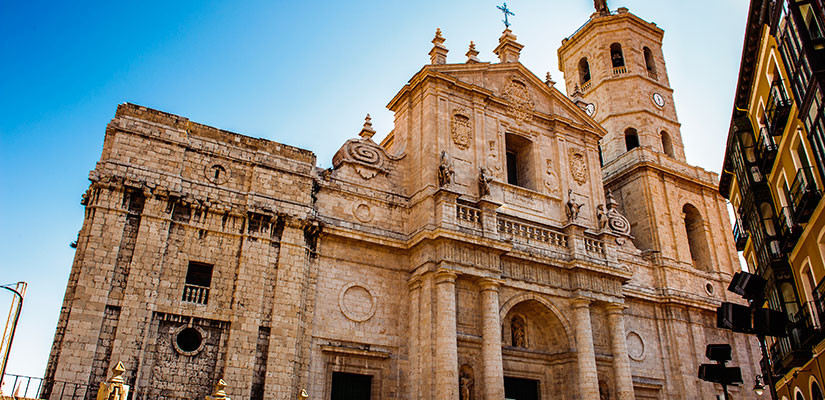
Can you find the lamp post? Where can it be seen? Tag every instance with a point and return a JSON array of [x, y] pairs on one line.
[[758, 387], [19, 290]]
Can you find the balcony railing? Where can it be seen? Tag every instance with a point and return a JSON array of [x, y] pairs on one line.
[[779, 106], [653, 75], [766, 148], [795, 349], [740, 235], [789, 229], [195, 294], [805, 195], [619, 70], [819, 300], [586, 85]]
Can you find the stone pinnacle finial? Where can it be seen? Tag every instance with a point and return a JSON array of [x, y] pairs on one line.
[[472, 54], [508, 50], [610, 200], [438, 55], [549, 80], [367, 132], [114, 388], [219, 393]]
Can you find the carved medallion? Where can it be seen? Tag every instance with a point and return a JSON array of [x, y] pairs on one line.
[[578, 166], [521, 103], [362, 212], [635, 346], [462, 131], [356, 302]]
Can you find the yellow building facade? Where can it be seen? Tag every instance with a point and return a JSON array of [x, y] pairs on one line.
[[773, 182]]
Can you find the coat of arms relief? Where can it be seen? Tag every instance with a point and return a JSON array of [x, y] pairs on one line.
[[521, 103], [461, 129]]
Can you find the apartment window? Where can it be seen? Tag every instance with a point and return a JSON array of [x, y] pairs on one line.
[[616, 56], [667, 144], [520, 166], [631, 139], [584, 71], [198, 282]]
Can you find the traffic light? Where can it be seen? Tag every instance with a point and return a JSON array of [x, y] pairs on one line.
[[747, 285], [718, 352], [734, 317], [718, 373]]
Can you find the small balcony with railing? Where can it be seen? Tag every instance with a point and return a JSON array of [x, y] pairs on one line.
[[793, 351], [766, 149], [805, 195], [195, 294], [789, 229], [779, 107], [740, 235]]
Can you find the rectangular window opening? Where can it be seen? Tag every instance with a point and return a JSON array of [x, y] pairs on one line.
[[198, 282], [520, 168]]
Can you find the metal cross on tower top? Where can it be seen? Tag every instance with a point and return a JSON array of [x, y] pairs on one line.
[[506, 13]]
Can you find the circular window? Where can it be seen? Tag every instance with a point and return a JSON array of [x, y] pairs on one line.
[[189, 340], [709, 288]]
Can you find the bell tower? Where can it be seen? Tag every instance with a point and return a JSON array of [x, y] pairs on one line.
[[614, 67]]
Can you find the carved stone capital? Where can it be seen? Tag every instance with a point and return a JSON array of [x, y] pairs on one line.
[[489, 284], [444, 276], [615, 308], [581, 302]]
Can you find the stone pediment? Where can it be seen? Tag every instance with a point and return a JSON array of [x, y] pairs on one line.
[[512, 85], [367, 157]]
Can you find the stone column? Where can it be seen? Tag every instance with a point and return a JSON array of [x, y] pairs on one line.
[[588, 376], [621, 363], [446, 348], [493, 373]]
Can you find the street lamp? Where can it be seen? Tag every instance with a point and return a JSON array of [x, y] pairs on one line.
[[19, 290], [758, 387]]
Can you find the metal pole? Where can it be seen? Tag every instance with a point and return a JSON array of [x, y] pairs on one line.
[[14, 324], [767, 376]]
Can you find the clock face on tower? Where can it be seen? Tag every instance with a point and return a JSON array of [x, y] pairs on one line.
[[590, 109], [658, 100]]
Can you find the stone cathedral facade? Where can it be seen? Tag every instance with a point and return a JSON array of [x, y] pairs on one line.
[[502, 241]]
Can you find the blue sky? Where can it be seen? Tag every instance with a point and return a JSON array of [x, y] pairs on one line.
[[302, 73]]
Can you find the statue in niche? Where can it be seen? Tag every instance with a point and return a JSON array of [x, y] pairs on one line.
[[445, 170], [484, 180], [604, 390], [518, 331], [573, 207], [601, 217], [465, 383]]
